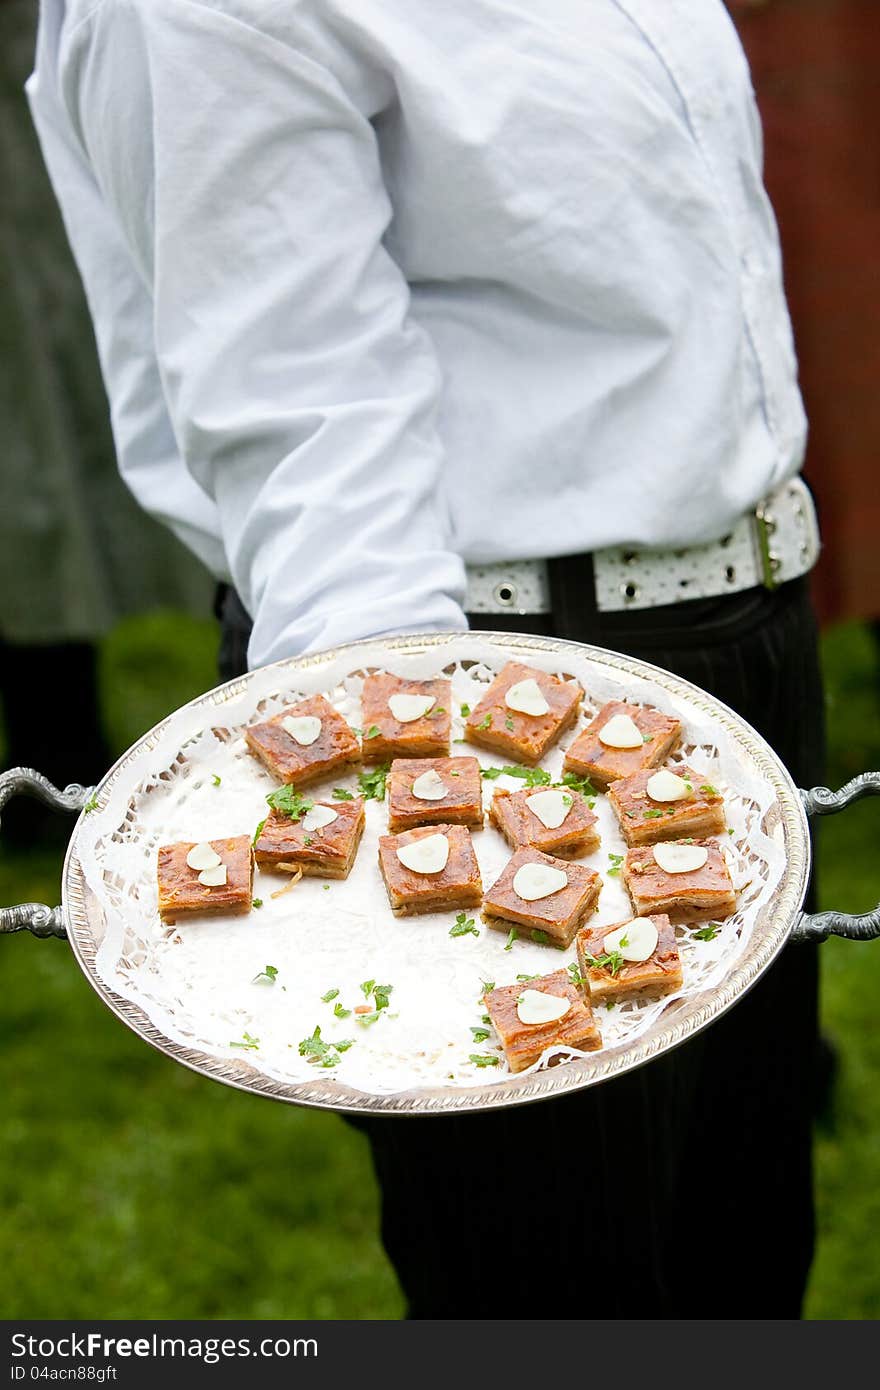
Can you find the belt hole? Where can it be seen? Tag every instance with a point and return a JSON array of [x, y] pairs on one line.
[[505, 594], [629, 591], [725, 540], [730, 573], [683, 583]]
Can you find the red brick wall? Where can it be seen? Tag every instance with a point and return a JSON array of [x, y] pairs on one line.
[[816, 71]]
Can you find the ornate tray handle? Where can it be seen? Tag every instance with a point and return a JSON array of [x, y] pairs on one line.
[[818, 926], [37, 917]]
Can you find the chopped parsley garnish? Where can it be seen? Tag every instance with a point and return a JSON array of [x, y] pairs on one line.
[[326, 887], [340, 794], [488, 986], [483, 1060], [257, 902], [321, 1053], [372, 732], [481, 1034], [344, 1044], [340, 1011], [730, 830], [651, 815], [372, 784], [439, 710], [532, 776], [609, 1003], [539, 937], [508, 723], [248, 1045], [307, 841], [521, 978], [576, 976], [708, 790], [616, 861], [289, 802], [465, 711], [578, 784], [512, 935], [268, 972], [485, 723], [708, 933], [612, 961], [379, 995], [646, 738], [464, 926], [91, 804], [215, 780], [331, 994], [259, 830]]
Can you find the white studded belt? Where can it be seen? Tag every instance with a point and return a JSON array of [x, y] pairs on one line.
[[776, 542]]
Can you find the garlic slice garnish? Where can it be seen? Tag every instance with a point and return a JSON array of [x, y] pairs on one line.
[[526, 697], [430, 786], [533, 881], [621, 732], [640, 936], [214, 877], [318, 817], [203, 856], [407, 708], [680, 859], [533, 1006], [550, 806], [666, 786], [304, 729], [428, 855]]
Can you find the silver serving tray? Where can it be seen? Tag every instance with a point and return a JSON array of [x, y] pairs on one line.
[[80, 917]]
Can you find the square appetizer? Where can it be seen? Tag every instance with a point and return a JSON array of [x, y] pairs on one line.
[[550, 898], [689, 881], [556, 820], [430, 791], [621, 740], [523, 713], [629, 958], [431, 869], [542, 1013], [322, 839], [213, 876], [666, 804], [405, 718], [304, 742]]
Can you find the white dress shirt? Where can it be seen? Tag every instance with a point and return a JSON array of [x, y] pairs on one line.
[[384, 285]]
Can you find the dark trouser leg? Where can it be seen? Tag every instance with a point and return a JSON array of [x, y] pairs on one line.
[[64, 742]]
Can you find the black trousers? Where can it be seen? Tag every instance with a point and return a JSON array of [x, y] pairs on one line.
[[683, 1190]]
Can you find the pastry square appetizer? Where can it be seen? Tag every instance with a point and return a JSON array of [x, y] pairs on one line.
[[550, 898], [304, 742], [556, 820], [629, 958], [542, 1013], [429, 791], [621, 740], [405, 718], [323, 840], [689, 881], [211, 876], [523, 713], [668, 804], [431, 869]]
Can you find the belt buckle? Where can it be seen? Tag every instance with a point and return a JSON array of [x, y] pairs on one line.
[[768, 561]]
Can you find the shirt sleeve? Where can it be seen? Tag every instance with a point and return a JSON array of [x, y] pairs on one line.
[[247, 188]]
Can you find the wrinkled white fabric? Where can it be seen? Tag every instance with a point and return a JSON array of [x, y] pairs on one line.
[[381, 285]]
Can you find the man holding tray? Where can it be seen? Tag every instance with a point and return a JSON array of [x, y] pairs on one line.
[[408, 313]]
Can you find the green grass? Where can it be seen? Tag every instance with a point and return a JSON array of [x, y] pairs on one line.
[[132, 1188]]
